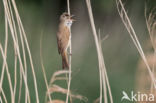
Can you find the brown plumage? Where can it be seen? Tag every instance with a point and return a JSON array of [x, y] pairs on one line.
[[63, 38]]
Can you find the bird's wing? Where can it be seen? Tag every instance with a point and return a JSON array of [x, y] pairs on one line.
[[63, 39], [59, 45]]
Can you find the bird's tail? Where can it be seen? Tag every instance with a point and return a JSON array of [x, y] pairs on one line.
[[65, 64]]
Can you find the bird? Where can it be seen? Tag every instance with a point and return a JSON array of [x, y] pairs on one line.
[[63, 37]]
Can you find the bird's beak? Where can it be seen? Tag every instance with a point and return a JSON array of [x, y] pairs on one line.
[[72, 18]]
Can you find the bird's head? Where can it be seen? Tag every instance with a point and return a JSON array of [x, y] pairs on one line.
[[67, 19]]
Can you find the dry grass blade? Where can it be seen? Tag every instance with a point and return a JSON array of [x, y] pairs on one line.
[[54, 78], [58, 73], [56, 88], [53, 88], [102, 69], [125, 19]]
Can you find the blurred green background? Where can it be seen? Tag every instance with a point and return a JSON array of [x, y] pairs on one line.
[[41, 17]]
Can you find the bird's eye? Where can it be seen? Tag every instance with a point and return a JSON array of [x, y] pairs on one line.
[[66, 15]]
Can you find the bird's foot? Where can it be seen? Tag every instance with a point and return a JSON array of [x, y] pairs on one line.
[[70, 54]]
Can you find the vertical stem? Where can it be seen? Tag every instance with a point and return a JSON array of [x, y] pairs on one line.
[[44, 72], [28, 49], [68, 5], [104, 78], [70, 50]]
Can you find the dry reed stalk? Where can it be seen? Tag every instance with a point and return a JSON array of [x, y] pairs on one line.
[[70, 56], [142, 75], [5, 51], [44, 73], [3, 94], [0, 100], [54, 78], [11, 18], [27, 48], [24, 56], [104, 82], [125, 19], [56, 101], [56, 88], [147, 87], [52, 88], [8, 75], [151, 26], [58, 73], [20, 87]]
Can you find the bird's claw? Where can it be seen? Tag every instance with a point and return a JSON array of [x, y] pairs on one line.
[[70, 54]]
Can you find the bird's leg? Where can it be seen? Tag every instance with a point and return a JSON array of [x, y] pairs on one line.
[[68, 51], [70, 54]]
